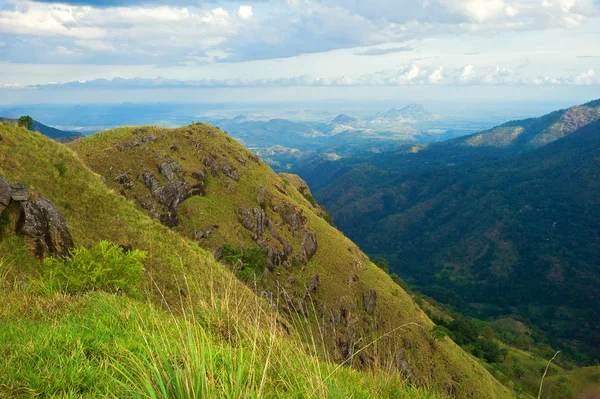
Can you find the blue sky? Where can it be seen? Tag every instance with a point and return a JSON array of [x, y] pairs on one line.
[[59, 51]]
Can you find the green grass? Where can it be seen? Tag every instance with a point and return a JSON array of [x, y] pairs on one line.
[[101, 345]]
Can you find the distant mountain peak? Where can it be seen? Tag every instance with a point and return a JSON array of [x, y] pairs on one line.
[[343, 119], [412, 113]]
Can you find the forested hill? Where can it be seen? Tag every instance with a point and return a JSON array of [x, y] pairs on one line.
[[509, 139], [516, 235]]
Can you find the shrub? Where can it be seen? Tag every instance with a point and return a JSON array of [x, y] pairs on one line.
[[106, 267], [382, 263], [250, 263], [61, 168], [26, 122]]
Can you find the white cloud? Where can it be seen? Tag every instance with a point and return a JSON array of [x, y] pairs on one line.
[[61, 50], [586, 78], [245, 12]]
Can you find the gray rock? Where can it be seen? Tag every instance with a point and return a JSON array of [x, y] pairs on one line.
[[254, 221], [309, 245], [231, 172], [41, 221], [313, 283], [122, 178], [370, 301], [169, 168], [171, 195], [200, 175], [20, 192], [150, 181], [5, 193]]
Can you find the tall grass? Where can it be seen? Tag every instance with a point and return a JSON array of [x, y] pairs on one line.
[[226, 354], [99, 344]]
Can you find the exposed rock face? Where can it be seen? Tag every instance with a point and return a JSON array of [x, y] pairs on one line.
[[370, 301], [254, 220], [170, 196], [292, 217], [5, 193], [19, 192], [40, 221], [150, 181], [309, 245], [169, 168]]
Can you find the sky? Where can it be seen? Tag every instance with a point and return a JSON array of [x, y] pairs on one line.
[[281, 50]]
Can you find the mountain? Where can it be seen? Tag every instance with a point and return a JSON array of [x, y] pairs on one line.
[[413, 113], [345, 120], [55, 134], [217, 194], [505, 228], [109, 286]]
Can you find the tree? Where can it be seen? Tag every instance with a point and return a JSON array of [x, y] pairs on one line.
[[382, 263], [26, 122]]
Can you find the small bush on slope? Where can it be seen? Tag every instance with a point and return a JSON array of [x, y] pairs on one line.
[[106, 267]]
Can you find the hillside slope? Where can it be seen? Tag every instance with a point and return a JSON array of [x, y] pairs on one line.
[[55, 134], [99, 342], [515, 235], [211, 190]]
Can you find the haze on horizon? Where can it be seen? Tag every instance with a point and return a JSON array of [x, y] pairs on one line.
[[270, 51]]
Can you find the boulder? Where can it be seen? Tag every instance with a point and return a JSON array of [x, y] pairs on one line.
[[309, 245], [41, 221], [5, 193], [20, 192], [169, 168]]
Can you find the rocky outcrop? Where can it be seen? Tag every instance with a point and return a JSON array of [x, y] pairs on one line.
[[254, 221], [41, 222], [5, 193], [309, 245], [170, 196], [150, 181], [169, 168], [370, 301], [19, 192]]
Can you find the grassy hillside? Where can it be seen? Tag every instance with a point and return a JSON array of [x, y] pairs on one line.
[[199, 332], [511, 236], [55, 134], [279, 242]]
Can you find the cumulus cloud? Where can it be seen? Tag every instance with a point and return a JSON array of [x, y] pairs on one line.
[[172, 31], [245, 12]]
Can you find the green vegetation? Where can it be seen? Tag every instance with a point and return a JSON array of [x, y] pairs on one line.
[[106, 267], [497, 232], [248, 264], [26, 122]]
